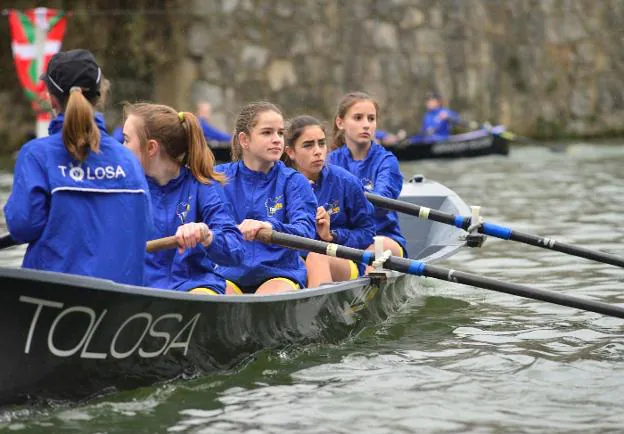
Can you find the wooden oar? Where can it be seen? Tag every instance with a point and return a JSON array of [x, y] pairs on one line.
[[152, 246], [493, 230], [420, 268]]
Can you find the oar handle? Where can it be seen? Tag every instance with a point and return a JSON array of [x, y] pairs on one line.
[[152, 246], [161, 244], [7, 241]]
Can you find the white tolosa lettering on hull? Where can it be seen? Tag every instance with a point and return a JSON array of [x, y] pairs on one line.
[[116, 348]]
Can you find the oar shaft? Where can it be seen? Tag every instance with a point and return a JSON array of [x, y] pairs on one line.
[[294, 242], [494, 230], [582, 252], [421, 212], [523, 291], [419, 268]]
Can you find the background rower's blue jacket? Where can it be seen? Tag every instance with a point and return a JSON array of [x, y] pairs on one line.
[[185, 200], [282, 197], [88, 218], [213, 134], [379, 173], [351, 214], [432, 125]]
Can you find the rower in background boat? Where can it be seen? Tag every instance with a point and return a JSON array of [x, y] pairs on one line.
[[377, 169], [437, 122], [344, 215], [79, 199], [187, 197], [264, 193], [204, 113]]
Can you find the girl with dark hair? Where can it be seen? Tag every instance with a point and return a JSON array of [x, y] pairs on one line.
[[344, 216]]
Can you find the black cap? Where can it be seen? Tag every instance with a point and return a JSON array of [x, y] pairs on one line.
[[72, 68]]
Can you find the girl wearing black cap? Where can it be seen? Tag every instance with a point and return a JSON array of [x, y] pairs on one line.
[[79, 199]]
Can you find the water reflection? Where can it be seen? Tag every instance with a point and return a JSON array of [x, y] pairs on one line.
[[458, 360]]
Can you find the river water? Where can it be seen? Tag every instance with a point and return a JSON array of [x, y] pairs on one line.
[[467, 360]]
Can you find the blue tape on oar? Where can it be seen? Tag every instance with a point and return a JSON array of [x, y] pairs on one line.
[[496, 231], [459, 221], [367, 257], [416, 267]]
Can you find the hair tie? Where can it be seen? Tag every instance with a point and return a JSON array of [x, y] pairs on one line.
[[75, 89], [181, 116]]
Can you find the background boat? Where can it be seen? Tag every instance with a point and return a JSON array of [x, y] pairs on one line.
[[484, 141], [70, 337]]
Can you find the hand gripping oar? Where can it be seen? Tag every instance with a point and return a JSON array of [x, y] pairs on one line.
[[419, 268], [493, 230]]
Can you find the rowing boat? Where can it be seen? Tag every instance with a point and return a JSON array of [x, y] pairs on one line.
[[485, 141], [481, 142], [68, 337]]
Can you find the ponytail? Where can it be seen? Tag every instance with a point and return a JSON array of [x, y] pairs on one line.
[[199, 157], [80, 132], [179, 134], [235, 149], [338, 138]]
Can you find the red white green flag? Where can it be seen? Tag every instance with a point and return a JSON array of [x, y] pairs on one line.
[[36, 35]]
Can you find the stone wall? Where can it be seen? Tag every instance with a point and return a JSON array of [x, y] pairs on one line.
[[545, 68]]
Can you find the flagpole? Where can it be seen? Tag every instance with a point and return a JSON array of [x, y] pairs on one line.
[[41, 35]]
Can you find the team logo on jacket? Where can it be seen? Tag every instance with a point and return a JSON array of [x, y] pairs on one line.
[[182, 210], [332, 207], [274, 205], [78, 174], [368, 184]]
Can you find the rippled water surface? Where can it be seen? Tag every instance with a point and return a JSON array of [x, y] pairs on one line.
[[459, 360]]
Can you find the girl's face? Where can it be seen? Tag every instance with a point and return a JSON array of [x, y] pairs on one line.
[[359, 123], [309, 151], [265, 141], [131, 137]]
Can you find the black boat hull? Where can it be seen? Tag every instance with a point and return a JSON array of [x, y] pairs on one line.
[[456, 147], [68, 338]]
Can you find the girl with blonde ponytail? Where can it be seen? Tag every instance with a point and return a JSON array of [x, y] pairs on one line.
[[187, 198]]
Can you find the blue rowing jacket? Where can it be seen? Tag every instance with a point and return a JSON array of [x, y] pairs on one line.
[[282, 197], [351, 214], [88, 218], [379, 173], [185, 200], [432, 125], [213, 134]]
